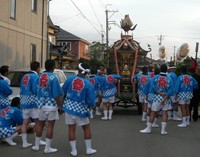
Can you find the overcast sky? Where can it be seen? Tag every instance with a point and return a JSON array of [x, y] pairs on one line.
[[178, 21]]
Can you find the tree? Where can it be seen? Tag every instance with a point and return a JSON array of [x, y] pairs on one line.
[[94, 63], [82, 60], [97, 50]]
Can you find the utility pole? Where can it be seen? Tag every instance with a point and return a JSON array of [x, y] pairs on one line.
[[107, 29], [102, 35], [174, 53], [102, 44], [160, 38], [196, 50]]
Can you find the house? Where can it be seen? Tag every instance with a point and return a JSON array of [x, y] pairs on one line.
[[71, 48], [23, 32], [52, 35]]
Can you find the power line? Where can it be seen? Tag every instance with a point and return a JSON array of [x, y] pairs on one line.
[[67, 18], [96, 15], [100, 1], [182, 37], [85, 17], [76, 24]]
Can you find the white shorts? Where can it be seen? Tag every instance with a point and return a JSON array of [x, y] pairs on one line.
[[48, 113], [72, 119], [156, 106], [97, 99], [30, 113], [149, 105], [142, 99], [173, 99], [183, 102], [109, 100]]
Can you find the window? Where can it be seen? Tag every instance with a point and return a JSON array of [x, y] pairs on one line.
[[52, 40], [34, 6], [68, 44], [86, 49], [33, 53], [13, 9]]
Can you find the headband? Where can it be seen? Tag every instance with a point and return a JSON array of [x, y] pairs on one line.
[[84, 71], [173, 67]]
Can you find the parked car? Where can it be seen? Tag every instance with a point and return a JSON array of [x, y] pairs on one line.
[[15, 77], [70, 72]]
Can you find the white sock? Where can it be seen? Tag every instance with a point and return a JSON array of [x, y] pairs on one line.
[[155, 120], [25, 144], [169, 113], [110, 112], [144, 115], [48, 143], [14, 135], [73, 147], [184, 120], [37, 143], [48, 148], [88, 144], [24, 138], [148, 118], [105, 113], [187, 119], [163, 129], [97, 109], [89, 149], [91, 114], [174, 114]]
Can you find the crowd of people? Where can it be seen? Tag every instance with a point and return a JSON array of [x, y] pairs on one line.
[[42, 99], [163, 92]]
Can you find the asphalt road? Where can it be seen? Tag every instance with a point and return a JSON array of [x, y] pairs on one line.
[[119, 137]]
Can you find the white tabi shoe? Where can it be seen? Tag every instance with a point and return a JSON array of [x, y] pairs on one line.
[[145, 131], [104, 118], [144, 119], [183, 125], [42, 143], [9, 141], [97, 113], [177, 119], [26, 145], [155, 126], [163, 133], [90, 151], [50, 150], [74, 153], [35, 148]]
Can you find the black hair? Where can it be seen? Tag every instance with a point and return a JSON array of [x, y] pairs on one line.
[[85, 65], [192, 70], [163, 68], [49, 65], [184, 69], [109, 71], [150, 68], [15, 102], [35, 65], [144, 69], [4, 69], [156, 71], [93, 71]]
